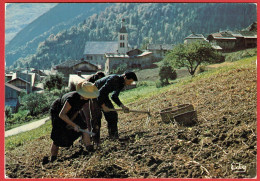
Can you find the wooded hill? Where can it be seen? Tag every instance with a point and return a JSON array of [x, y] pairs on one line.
[[145, 22]]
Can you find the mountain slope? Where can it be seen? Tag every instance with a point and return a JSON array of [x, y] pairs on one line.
[[146, 22], [62, 16], [18, 15], [224, 136]]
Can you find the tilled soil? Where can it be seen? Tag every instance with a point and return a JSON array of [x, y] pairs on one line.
[[221, 145]]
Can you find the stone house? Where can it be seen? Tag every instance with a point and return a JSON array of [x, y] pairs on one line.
[[194, 37], [75, 66], [95, 51], [245, 39], [223, 39], [159, 50], [132, 59], [230, 41]]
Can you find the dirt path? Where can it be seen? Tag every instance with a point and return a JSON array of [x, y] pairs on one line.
[[26, 127]]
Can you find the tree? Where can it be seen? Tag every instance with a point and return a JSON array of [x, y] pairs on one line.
[[191, 55], [35, 103], [166, 72], [53, 81]]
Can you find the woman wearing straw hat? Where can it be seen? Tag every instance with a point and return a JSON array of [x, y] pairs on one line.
[[65, 114]]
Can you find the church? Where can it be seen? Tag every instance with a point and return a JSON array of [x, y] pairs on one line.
[[110, 54], [95, 51]]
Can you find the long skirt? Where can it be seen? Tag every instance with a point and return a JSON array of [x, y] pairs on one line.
[[61, 134]]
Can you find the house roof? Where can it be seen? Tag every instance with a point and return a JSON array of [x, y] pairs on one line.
[[248, 34], [38, 71], [71, 63], [100, 47], [13, 87], [159, 46], [195, 36], [74, 78], [229, 35], [18, 78], [123, 30], [122, 55], [216, 47]]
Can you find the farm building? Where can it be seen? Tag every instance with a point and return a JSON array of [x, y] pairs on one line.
[[229, 40], [75, 66], [159, 50], [194, 37], [223, 39], [132, 59]]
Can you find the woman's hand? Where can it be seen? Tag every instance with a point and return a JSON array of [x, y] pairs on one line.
[[125, 109], [76, 128], [105, 108]]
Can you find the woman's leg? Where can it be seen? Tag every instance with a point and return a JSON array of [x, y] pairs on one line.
[[54, 152], [86, 138]]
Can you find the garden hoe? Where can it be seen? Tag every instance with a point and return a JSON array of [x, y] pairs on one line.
[[83, 131], [136, 111]]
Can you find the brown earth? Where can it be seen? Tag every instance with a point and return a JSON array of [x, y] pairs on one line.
[[223, 140]]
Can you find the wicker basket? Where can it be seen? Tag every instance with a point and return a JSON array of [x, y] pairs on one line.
[[168, 114]]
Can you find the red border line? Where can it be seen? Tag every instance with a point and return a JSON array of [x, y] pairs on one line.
[[2, 67]]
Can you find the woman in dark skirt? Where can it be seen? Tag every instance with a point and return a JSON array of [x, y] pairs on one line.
[[66, 120]]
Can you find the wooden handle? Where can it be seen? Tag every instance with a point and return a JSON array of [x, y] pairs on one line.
[[130, 111]]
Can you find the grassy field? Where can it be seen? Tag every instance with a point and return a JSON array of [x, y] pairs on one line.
[[135, 95], [224, 98]]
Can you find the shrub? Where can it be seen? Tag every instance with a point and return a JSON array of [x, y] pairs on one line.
[[160, 84], [120, 69], [18, 118], [59, 92], [35, 103], [144, 83], [166, 72], [8, 112], [53, 81]]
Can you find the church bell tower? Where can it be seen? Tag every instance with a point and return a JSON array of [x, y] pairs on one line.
[[123, 39]]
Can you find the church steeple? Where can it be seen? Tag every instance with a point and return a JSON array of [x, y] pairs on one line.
[[122, 38]]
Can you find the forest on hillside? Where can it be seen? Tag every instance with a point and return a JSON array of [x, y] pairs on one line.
[[145, 23]]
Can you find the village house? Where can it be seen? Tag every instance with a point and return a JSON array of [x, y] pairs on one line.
[[230, 41], [23, 79], [95, 51], [223, 39], [194, 37], [12, 96], [8, 76], [132, 59], [159, 50], [74, 79], [75, 66], [22, 84]]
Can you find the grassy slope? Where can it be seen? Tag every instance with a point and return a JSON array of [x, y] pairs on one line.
[[225, 100], [129, 97]]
